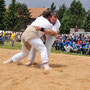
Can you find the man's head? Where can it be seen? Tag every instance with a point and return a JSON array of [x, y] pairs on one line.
[[84, 42], [54, 18], [47, 14], [68, 40]]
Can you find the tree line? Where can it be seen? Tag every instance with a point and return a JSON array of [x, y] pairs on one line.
[[17, 16], [73, 16], [14, 18]]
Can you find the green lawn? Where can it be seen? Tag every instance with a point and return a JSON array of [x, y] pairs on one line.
[[8, 45], [70, 53], [17, 45]]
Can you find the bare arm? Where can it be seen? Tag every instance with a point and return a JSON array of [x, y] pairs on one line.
[[58, 31], [46, 31], [50, 32]]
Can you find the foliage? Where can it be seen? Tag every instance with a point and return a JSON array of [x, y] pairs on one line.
[[65, 22], [53, 7], [2, 14], [12, 23], [24, 15], [87, 22], [75, 15], [61, 11]]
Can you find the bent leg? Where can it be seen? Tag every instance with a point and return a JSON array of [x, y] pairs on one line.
[[38, 45], [49, 42], [32, 54], [20, 55]]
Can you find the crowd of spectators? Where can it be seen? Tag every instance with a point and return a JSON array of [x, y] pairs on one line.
[[9, 36], [65, 42], [73, 43]]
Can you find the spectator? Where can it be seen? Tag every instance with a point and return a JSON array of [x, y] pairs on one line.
[[1, 40], [19, 38], [78, 41], [84, 45], [12, 38], [56, 44], [88, 49], [74, 46], [4, 33], [76, 29], [75, 43], [80, 47], [67, 46]]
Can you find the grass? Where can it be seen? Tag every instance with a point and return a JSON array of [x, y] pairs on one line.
[[8, 45], [70, 53], [17, 45]]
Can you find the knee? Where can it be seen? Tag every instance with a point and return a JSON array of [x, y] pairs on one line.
[[44, 49], [24, 54]]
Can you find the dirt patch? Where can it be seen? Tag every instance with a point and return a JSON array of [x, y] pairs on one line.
[[69, 72]]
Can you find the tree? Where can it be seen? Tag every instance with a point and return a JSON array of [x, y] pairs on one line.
[[73, 7], [53, 7], [77, 14], [12, 19], [87, 23], [73, 16], [24, 15], [61, 11], [2, 14], [65, 23]]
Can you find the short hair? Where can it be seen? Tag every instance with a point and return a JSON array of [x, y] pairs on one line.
[[46, 13], [54, 14]]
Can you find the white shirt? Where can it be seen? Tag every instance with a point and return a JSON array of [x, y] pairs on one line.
[[42, 22], [56, 26], [50, 39]]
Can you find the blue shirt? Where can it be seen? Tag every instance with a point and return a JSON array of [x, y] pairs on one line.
[[79, 46], [84, 46], [59, 42], [68, 43]]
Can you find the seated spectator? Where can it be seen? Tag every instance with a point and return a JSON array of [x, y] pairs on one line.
[[84, 47], [80, 47], [88, 49], [74, 38], [63, 44], [74, 46], [68, 46], [56, 44], [68, 42], [60, 44], [78, 42]]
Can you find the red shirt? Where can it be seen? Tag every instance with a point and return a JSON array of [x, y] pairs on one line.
[[78, 42]]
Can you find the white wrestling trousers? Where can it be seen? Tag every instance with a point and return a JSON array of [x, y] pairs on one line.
[[38, 45], [49, 42]]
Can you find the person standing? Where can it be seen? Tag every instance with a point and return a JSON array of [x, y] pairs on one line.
[[12, 38], [4, 33]]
